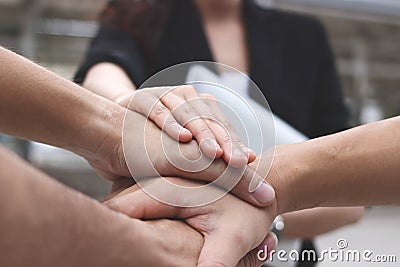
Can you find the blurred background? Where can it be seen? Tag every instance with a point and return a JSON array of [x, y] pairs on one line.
[[365, 36]]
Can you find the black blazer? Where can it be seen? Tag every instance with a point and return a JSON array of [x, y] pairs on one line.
[[290, 61]]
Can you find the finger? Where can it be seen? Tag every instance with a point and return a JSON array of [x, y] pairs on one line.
[[235, 151], [224, 248], [261, 254], [226, 123], [253, 189], [162, 116], [247, 184], [187, 116], [150, 106], [232, 151], [213, 122]]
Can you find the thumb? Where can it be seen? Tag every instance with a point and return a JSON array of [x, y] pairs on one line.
[[224, 249], [139, 205], [261, 254]]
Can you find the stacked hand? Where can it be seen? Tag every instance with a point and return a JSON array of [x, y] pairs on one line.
[[182, 113], [229, 237], [150, 154]]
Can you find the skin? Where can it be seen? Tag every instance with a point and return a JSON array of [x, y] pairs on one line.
[[179, 111], [111, 81], [357, 167], [213, 221], [47, 224], [226, 35], [85, 233], [307, 224], [171, 107], [92, 127], [336, 170], [225, 32]]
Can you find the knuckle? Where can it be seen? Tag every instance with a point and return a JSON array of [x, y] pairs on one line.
[[229, 139], [171, 122], [159, 110], [208, 96], [182, 90], [172, 92], [213, 118], [187, 108], [201, 130], [204, 130], [189, 89]]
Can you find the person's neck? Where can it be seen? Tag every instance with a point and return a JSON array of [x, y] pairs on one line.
[[217, 10]]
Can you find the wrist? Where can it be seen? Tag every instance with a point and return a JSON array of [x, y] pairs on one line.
[[292, 166], [100, 130]]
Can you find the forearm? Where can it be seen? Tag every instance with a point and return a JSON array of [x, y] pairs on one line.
[[358, 167], [310, 223], [38, 105], [108, 80], [44, 224]]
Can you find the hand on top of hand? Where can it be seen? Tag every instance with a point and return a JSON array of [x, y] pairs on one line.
[[229, 237], [148, 153], [183, 113], [137, 147]]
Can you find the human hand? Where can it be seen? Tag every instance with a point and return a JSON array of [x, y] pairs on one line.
[[120, 135], [174, 243], [182, 113], [171, 242], [229, 236], [149, 153]]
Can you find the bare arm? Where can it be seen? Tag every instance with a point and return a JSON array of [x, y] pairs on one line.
[[310, 223], [109, 80], [45, 224], [36, 104], [168, 108], [358, 167]]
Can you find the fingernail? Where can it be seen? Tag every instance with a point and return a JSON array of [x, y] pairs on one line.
[[264, 193], [185, 131]]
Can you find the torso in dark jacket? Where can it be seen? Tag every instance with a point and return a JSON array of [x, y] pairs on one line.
[[290, 61]]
